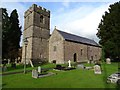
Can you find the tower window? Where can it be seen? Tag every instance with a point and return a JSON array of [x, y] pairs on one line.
[[41, 19]]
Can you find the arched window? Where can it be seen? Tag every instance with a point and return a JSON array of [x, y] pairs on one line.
[[41, 19]]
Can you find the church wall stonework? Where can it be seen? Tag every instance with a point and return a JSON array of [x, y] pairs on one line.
[[56, 40], [81, 56], [71, 48]]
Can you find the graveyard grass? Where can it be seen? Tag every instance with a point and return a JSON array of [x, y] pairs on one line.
[[77, 78]]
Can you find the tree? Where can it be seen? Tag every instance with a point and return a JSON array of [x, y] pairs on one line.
[[11, 33], [14, 36], [109, 31], [5, 33]]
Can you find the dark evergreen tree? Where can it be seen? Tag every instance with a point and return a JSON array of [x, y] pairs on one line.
[[14, 37], [109, 31], [5, 33]]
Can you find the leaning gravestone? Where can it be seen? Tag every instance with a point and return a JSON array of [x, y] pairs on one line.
[[34, 74], [39, 69], [97, 69], [108, 61]]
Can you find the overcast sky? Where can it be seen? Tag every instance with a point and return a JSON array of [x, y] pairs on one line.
[[79, 17]]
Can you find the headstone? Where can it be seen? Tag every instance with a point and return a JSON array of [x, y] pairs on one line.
[[88, 61], [4, 68], [69, 62], [88, 68], [80, 66], [8, 61], [108, 61], [97, 69], [92, 62], [16, 61], [34, 74], [39, 69]]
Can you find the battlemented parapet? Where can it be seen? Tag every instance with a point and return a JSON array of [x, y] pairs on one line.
[[37, 9]]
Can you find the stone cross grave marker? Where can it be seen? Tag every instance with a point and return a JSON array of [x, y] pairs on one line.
[[34, 74], [108, 61], [39, 69], [97, 69], [69, 62]]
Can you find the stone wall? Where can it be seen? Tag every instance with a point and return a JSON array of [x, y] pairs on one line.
[[56, 40], [82, 52], [71, 48]]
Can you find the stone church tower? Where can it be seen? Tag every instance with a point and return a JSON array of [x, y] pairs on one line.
[[37, 32]]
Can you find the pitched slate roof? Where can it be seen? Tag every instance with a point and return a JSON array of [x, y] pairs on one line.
[[79, 39]]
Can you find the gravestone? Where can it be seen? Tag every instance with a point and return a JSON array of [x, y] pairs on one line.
[[69, 62], [39, 69], [34, 74], [97, 69], [88, 61], [4, 68], [108, 61], [16, 61], [88, 68], [8, 61], [80, 66]]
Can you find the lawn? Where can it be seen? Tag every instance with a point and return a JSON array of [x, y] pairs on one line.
[[77, 78]]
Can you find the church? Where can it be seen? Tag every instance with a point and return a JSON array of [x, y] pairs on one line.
[[59, 47]]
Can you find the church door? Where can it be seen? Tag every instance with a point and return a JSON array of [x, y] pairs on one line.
[[75, 57]]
